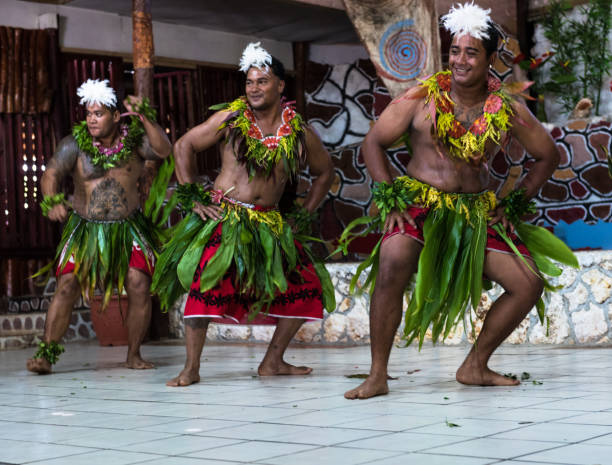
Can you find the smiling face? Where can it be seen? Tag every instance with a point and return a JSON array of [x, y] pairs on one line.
[[468, 60], [263, 88], [101, 121]]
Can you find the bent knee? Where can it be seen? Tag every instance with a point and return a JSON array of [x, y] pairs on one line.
[[530, 286], [68, 286], [137, 282]]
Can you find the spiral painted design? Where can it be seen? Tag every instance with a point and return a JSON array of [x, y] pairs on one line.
[[402, 51]]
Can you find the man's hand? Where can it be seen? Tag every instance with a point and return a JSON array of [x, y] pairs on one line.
[[212, 212], [58, 213], [498, 215], [131, 103], [397, 219]]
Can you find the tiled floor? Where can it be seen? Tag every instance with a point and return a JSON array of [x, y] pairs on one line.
[[92, 411]]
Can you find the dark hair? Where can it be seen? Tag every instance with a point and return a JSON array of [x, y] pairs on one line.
[[490, 44], [277, 68]]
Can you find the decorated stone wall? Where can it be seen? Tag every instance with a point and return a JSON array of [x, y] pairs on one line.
[[580, 314]]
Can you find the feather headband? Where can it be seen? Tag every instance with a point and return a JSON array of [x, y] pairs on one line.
[[97, 92], [255, 55], [467, 19]]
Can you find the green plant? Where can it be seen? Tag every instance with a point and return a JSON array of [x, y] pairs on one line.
[[582, 57]]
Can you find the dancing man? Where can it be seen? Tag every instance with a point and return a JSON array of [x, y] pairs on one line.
[[234, 252], [442, 223], [107, 241]]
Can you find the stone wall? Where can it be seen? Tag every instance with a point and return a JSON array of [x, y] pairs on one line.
[[580, 313]]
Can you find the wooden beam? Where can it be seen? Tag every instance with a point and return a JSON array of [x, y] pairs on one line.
[[143, 50], [300, 55]]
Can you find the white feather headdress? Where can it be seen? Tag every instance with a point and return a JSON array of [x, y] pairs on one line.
[[467, 19], [97, 92], [255, 55]]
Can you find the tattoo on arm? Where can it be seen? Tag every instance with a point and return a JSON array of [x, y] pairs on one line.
[[146, 151], [65, 157], [108, 201]]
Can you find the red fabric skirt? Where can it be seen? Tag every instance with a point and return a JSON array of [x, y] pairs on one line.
[[137, 260], [494, 241], [227, 304]]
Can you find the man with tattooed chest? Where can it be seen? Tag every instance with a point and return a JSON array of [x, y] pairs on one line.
[[234, 253], [106, 242], [440, 221]]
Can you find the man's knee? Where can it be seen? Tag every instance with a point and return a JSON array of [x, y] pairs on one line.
[[68, 287], [395, 268], [197, 322], [137, 283]]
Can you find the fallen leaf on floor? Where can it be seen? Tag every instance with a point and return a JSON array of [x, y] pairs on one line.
[[452, 425], [446, 398], [510, 375], [411, 372], [537, 383], [525, 376], [365, 375]]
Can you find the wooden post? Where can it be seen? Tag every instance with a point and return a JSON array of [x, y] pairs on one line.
[[142, 38], [300, 55]]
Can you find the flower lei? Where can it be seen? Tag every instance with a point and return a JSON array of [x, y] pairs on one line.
[[131, 138], [50, 201], [467, 145], [264, 152], [50, 351]]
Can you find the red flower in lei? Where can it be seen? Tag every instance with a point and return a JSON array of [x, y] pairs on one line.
[[493, 84], [285, 129], [110, 151], [444, 81], [479, 126], [493, 104], [457, 130]]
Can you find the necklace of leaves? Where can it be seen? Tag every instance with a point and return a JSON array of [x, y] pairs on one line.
[[107, 158], [462, 143]]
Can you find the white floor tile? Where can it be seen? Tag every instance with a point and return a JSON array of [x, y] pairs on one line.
[[251, 451], [575, 454]]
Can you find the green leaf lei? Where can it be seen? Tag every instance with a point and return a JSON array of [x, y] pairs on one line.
[[50, 201], [49, 351], [302, 218], [189, 193], [516, 205], [264, 152], [130, 143], [389, 197]]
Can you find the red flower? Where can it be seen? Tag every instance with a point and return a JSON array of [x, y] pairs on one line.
[[493, 104], [535, 63], [493, 84], [445, 105], [288, 114], [479, 126], [283, 130], [457, 130], [444, 81], [254, 132], [271, 142], [520, 57], [249, 115]]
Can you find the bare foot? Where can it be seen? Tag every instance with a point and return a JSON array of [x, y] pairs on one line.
[[474, 375], [137, 363], [369, 388], [282, 368], [38, 365], [185, 378]]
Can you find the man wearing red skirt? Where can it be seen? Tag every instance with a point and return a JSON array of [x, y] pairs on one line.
[[234, 253]]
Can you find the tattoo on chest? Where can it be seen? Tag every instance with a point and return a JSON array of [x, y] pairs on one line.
[[90, 171], [108, 201], [466, 116]]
